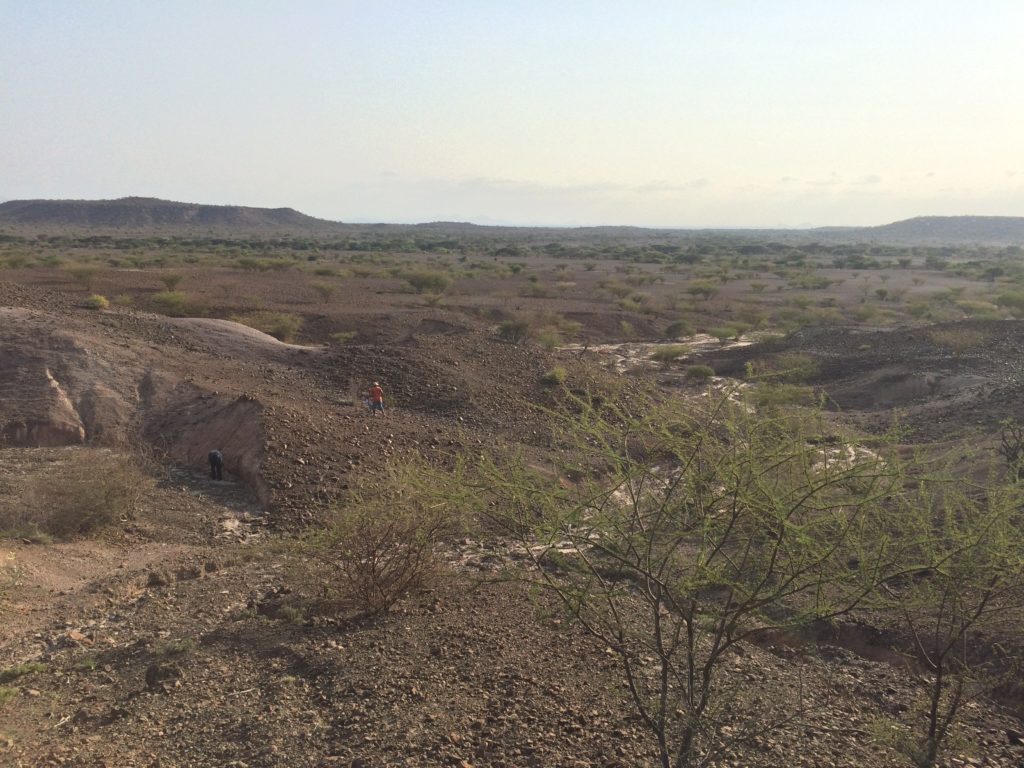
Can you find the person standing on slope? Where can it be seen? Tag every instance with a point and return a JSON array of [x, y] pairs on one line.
[[376, 399]]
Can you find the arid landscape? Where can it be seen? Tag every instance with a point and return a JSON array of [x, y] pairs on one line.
[[425, 588]]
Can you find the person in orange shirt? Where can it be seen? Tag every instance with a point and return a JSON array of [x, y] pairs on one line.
[[376, 399]]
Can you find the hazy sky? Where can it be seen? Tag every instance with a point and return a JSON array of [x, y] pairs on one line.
[[703, 113]]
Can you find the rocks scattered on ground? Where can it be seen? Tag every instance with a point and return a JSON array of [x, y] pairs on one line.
[[156, 642]]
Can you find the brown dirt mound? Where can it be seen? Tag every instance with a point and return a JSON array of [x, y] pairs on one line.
[[289, 419]]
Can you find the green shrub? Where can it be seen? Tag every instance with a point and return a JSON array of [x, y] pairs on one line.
[[958, 340], [263, 265], [381, 546], [918, 309], [699, 373], [96, 302], [616, 289], [678, 328], [88, 664], [280, 325], [771, 397], [93, 489], [536, 292], [171, 303], [556, 376], [11, 674], [549, 338], [977, 308], [569, 328], [741, 536], [171, 281], [514, 331], [16, 260], [724, 333], [427, 281], [435, 300], [667, 354], [85, 274], [323, 289], [809, 282], [1012, 300], [703, 289], [865, 313]]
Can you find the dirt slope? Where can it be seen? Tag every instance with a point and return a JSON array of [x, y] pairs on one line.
[[289, 419], [178, 640], [938, 390], [182, 637]]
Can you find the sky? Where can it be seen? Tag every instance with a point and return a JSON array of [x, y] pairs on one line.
[[684, 113]]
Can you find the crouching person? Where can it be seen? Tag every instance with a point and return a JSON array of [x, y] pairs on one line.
[[216, 465]]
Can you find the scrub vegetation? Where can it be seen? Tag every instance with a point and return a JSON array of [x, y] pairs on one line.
[[654, 497]]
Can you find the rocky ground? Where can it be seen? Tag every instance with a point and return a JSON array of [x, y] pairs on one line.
[[182, 640], [289, 419], [921, 376], [187, 635]]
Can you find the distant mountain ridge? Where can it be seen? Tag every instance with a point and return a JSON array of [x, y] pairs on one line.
[[143, 212], [953, 229]]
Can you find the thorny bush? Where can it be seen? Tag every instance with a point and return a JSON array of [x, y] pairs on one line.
[[381, 543], [90, 488], [686, 532]]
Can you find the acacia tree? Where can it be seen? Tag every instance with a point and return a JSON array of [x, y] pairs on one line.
[[1011, 446], [685, 532], [963, 609]]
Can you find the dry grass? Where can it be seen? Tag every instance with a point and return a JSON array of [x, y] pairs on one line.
[[381, 543], [281, 325], [555, 377], [958, 340], [381, 553], [87, 490], [96, 301], [514, 331]]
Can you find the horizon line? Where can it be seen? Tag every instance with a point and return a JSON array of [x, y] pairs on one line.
[[484, 221]]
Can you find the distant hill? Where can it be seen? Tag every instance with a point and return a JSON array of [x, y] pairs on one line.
[[148, 212], [1004, 230]]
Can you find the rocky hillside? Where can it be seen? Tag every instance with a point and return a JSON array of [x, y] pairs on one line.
[[286, 416], [140, 212], [1003, 230]]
